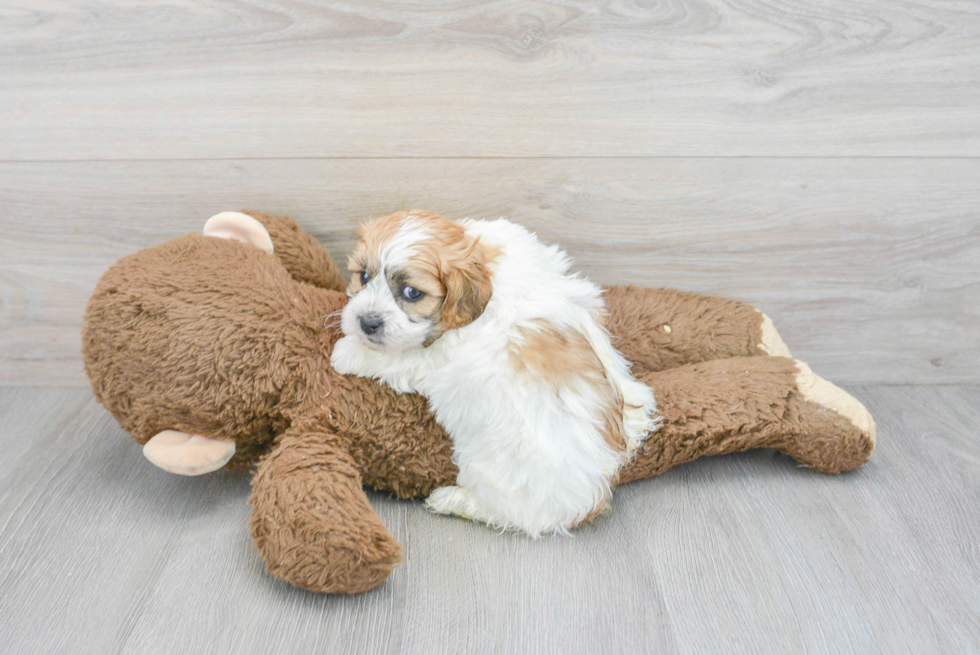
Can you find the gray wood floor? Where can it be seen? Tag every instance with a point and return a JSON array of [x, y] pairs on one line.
[[102, 553], [820, 160]]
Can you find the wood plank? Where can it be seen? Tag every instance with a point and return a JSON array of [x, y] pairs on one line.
[[84, 534], [869, 268], [102, 553], [30, 419], [752, 550], [475, 591], [193, 79], [234, 606]]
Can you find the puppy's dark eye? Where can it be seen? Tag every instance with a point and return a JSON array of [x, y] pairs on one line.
[[411, 294], [363, 277]]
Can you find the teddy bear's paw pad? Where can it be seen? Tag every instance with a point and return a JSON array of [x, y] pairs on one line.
[[770, 342], [817, 390], [449, 500], [187, 454], [240, 227]]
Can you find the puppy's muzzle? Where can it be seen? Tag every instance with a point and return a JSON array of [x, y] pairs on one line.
[[371, 323]]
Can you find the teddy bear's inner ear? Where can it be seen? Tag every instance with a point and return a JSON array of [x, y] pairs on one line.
[[239, 226]]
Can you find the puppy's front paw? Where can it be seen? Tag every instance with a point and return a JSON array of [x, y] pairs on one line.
[[448, 500], [347, 357]]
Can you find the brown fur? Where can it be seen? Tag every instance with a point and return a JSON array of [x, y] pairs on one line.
[[560, 358], [218, 338], [373, 237], [451, 267], [658, 329], [468, 288]]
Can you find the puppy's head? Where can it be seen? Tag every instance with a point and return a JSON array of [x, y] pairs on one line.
[[414, 275]]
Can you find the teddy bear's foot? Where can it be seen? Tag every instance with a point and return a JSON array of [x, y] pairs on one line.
[[732, 405], [311, 520], [770, 343], [837, 433], [187, 454]]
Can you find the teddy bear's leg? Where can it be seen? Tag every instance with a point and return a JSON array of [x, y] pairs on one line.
[[188, 454], [312, 522], [659, 329], [741, 403], [301, 255]]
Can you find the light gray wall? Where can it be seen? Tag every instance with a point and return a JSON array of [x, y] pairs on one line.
[[818, 161]]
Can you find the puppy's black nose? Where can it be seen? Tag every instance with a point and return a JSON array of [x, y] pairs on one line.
[[371, 323]]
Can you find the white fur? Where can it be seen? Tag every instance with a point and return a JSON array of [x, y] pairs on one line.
[[529, 458]]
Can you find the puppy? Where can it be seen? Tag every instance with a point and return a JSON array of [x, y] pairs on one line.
[[487, 323]]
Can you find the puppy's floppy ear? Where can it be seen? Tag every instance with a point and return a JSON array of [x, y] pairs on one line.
[[468, 287]]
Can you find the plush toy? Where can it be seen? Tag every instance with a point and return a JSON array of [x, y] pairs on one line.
[[214, 351]]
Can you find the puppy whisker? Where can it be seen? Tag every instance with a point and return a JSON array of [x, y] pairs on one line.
[[331, 320]]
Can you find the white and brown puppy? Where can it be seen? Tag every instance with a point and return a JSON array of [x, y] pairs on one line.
[[487, 323]]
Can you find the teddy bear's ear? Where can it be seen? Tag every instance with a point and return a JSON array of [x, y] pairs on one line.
[[239, 226]]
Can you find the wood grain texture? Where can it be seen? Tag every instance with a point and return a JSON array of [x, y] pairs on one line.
[[198, 79], [102, 553], [869, 268], [816, 159], [854, 563]]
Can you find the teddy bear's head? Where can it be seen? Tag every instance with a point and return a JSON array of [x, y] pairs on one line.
[[208, 335]]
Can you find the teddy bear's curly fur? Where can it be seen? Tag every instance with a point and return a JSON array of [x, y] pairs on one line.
[[215, 337]]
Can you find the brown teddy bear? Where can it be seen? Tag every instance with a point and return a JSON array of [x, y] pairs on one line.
[[216, 352]]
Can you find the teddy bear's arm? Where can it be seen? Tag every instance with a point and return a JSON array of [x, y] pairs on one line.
[[737, 404], [659, 329], [301, 255], [312, 522]]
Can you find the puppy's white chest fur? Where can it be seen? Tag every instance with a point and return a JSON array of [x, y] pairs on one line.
[[541, 409]]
